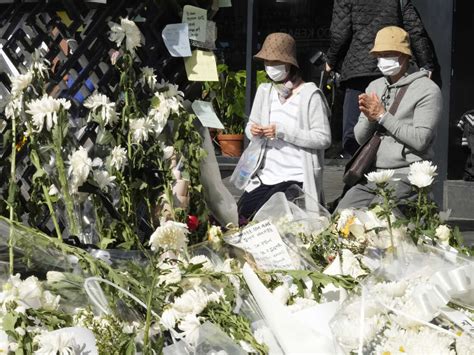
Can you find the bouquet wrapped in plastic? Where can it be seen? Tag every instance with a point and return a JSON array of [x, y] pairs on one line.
[[418, 303]]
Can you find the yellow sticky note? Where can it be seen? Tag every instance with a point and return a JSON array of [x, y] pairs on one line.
[[201, 66]]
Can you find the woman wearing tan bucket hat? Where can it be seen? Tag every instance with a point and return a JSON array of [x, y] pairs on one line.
[[289, 120]]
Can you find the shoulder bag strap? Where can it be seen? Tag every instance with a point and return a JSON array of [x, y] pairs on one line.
[[393, 109]]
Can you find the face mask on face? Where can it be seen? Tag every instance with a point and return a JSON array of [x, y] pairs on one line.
[[276, 72], [389, 66]]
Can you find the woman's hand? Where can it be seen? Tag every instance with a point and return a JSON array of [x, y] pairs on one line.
[[256, 130], [269, 131]]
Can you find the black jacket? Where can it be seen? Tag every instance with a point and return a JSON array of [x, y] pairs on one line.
[[354, 26]]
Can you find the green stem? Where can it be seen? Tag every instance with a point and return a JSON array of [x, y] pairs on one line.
[[418, 210], [58, 141], [51, 212], [146, 339], [36, 162], [11, 194]]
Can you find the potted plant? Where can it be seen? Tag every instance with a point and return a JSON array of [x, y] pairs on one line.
[[228, 98]]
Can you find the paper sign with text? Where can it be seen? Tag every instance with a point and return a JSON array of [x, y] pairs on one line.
[[201, 66], [264, 243], [176, 39], [205, 112], [196, 18]]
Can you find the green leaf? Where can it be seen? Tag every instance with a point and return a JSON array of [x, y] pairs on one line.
[[9, 321]]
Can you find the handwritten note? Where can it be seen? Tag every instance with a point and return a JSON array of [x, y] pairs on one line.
[[205, 113], [176, 39], [264, 243], [201, 66], [196, 18]]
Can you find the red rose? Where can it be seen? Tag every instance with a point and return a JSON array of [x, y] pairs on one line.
[[192, 222]]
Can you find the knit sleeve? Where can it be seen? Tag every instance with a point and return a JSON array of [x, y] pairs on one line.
[[256, 112], [418, 133], [318, 136]]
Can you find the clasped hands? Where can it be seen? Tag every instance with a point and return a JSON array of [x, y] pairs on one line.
[[371, 106], [263, 131]]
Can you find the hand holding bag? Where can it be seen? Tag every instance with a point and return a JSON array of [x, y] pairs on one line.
[[364, 158]]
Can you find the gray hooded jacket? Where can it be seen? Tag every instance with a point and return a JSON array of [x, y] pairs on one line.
[[412, 130]]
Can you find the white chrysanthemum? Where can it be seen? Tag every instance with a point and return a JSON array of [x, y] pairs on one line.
[[53, 190], [423, 167], [45, 110], [101, 102], [53, 343], [300, 303], [420, 180], [148, 77], [190, 329], [3, 342], [216, 296], [344, 217], [54, 276], [415, 341], [20, 82], [127, 30], [204, 260], [158, 119], [104, 179], [191, 302], [380, 177], [118, 158], [214, 236], [80, 166], [422, 174], [465, 344], [39, 64], [13, 108], [171, 275], [282, 293], [169, 318], [443, 233], [141, 128], [168, 152], [170, 90], [170, 235]]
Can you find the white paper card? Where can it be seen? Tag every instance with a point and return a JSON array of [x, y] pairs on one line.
[[176, 39], [196, 18], [459, 318], [205, 112], [264, 243], [225, 3]]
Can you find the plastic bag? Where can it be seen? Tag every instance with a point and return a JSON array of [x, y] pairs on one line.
[[404, 303], [218, 198], [248, 163]]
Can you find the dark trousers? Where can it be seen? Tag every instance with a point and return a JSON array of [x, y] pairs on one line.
[[251, 202], [353, 88]]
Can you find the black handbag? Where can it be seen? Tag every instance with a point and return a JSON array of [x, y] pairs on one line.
[[364, 158]]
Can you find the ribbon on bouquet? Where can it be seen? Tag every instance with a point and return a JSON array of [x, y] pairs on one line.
[[443, 287]]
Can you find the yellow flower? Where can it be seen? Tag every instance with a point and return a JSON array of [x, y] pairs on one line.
[[401, 349], [386, 353], [345, 231]]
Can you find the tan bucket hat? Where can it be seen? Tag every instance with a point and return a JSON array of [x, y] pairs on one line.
[[278, 46], [392, 38]]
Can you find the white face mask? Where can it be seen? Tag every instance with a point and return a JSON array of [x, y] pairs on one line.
[[389, 66], [276, 72]]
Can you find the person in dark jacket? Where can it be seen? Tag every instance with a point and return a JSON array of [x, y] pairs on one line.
[[354, 26]]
